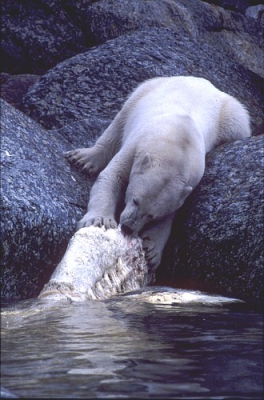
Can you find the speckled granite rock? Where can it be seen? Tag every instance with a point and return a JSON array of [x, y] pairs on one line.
[[97, 82], [217, 242], [13, 87], [256, 12], [82, 133], [234, 5], [38, 35], [41, 199], [226, 29]]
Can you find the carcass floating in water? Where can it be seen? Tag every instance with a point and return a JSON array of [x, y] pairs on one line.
[[166, 296], [98, 264]]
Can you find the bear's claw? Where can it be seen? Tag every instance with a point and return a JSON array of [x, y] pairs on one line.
[[153, 257], [107, 222]]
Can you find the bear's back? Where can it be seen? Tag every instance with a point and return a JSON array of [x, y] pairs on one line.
[[160, 98]]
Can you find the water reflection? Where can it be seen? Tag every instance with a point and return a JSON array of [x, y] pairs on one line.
[[124, 347]]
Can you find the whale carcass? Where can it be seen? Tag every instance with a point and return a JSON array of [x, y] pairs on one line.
[[98, 264]]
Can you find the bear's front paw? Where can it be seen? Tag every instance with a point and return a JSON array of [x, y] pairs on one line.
[[107, 222], [152, 255], [85, 159]]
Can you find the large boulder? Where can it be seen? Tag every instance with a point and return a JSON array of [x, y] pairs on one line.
[[41, 199], [14, 87], [217, 238], [38, 35], [235, 5], [228, 32], [97, 82]]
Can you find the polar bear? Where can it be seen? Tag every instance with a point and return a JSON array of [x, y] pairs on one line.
[[152, 156]]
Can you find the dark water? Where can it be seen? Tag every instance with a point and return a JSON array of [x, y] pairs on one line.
[[124, 347]]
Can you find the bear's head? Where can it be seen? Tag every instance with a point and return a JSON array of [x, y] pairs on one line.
[[154, 192]]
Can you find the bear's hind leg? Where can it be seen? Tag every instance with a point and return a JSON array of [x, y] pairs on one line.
[[89, 160], [93, 160], [234, 121]]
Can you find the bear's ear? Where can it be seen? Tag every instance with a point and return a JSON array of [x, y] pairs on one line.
[[141, 164], [184, 194]]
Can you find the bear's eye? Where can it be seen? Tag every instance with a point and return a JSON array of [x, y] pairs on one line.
[[135, 201], [150, 216]]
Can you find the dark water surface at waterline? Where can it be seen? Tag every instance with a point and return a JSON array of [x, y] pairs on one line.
[[125, 347]]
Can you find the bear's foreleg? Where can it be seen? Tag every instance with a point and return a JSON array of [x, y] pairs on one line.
[[155, 236], [108, 192]]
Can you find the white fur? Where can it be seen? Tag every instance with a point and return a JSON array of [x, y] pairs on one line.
[[153, 154]]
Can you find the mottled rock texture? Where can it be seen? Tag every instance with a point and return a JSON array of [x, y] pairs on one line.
[[97, 82], [218, 236], [41, 198], [38, 35], [91, 54], [13, 87], [205, 41]]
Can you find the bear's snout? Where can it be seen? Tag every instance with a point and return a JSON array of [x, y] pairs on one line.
[[129, 222], [126, 229]]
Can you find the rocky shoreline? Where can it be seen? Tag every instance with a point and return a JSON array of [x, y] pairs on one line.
[[63, 81]]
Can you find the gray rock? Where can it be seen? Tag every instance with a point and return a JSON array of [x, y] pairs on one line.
[[228, 32], [217, 239], [41, 199], [234, 5], [13, 87], [96, 83], [82, 133], [35, 36]]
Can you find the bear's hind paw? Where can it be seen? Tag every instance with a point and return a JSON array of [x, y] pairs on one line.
[[85, 159]]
